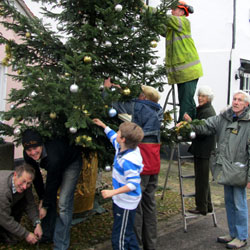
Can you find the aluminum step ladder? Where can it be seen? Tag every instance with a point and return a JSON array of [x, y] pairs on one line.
[[176, 149]]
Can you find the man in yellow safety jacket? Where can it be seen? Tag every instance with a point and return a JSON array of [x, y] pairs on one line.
[[182, 60]]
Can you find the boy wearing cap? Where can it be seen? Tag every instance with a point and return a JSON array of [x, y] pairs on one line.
[[63, 164], [126, 192], [148, 114]]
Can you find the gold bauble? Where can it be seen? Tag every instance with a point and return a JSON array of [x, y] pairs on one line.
[[27, 34], [19, 72], [67, 74], [126, 91], [87, 59], [153, 44], [52, 115]]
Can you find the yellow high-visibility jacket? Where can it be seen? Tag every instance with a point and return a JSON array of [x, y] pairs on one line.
[[182, 60]]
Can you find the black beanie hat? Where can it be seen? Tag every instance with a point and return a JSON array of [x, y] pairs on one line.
[[31, 138]]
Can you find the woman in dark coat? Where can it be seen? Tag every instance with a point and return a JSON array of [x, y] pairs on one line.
[[201, 148]]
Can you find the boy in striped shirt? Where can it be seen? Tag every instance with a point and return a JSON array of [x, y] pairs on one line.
[[126, 192]]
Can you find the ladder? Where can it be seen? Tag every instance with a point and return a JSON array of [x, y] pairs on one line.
[[176, 149]]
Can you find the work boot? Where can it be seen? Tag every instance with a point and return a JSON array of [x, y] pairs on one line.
[[224, 239], [236, 244]]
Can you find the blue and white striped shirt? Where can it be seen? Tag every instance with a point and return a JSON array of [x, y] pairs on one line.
[[126, 171]]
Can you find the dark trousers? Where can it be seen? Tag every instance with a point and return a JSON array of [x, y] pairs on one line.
[[146, 219], [186, 93], [123, 235], [202, 188]]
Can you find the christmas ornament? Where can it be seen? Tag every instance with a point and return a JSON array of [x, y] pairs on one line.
[[179, 137], [108, 44], [74, 88], [153, 61], [52, 115], [112, 112], [87, 59], [126, 91], [19, 72], [113, 89], [67, 74], [33, 94], [107, 168], [118, 8], [161, 89], [72, 130], [27, 34], [17, 131], [12, 106], [192, 135], [153, 44]]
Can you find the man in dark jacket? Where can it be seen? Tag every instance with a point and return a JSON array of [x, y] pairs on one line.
[[148, 114], [63, 164], [15, 198], [202, 147]]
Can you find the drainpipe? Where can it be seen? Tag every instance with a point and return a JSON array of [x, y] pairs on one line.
[[233, 46]]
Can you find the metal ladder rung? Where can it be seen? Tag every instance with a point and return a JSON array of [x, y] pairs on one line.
[[188, 195], [187, 176], [186, 157]]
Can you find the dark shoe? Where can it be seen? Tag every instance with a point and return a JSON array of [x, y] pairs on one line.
[[194, 211], [224, 239], [236, 244]]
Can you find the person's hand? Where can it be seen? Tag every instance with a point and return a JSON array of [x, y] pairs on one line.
[[108, 84], [42, 213], [187, 117], [38, 231], [31, 238], [248, 185], [107, 193], [99, 123]]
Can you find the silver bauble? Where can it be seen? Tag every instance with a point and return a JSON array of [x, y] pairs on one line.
[[153, 61], [118, 8], [112, 112], [17, 131], [179, 137], [108, 44], [74, 88], [12, 106], [72, 130], [33, 94], [161, 89], [192, 135], [113, 89], [107, 168]]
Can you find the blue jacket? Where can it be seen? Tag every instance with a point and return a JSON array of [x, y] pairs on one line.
[[147, 114]]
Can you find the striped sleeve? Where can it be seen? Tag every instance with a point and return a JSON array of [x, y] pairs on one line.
[[111, 134]]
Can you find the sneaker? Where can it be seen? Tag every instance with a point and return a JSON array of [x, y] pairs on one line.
[[236, 244], [224, 239]]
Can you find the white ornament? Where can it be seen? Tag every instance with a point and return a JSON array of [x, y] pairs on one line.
[[12, 106], [118, 8], [17, 131], [107, 168], [192, 135], [112, 112], [33, 94], [74, 88], [72, 130], [153, 61], [179, 137], [108, 44]]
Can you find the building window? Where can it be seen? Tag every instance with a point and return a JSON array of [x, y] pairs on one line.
[[3, 85], [245, 82]]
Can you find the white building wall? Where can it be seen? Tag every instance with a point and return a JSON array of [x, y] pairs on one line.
[[212, 31]]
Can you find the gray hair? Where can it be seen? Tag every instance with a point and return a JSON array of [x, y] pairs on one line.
[[207, 91], [246, 95]]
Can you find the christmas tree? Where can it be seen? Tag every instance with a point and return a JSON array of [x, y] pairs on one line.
[[62, 78]]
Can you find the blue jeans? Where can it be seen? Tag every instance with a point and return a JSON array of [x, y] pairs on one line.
[[237, 211], [62, 222], [123, 236]]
